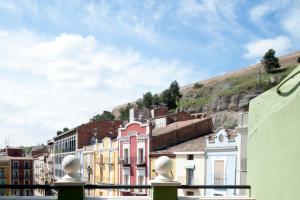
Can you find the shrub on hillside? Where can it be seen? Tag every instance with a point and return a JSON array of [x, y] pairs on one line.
[[198, 85]]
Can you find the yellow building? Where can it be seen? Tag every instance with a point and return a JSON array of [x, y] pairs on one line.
[[5, 175], [89, 153], [106, 168]]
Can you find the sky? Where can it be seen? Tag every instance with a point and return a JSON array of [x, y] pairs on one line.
[[62, 62]]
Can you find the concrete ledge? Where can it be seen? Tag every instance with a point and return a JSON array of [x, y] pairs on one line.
[[75, 183], [215, 198], [28, 198], [171, 184], [119, 198]]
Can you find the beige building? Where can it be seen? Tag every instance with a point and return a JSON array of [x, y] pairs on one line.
[[5, 174], [188, 164]]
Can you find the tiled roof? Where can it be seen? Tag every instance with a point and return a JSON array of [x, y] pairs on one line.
[[195, 145], [174, 126]]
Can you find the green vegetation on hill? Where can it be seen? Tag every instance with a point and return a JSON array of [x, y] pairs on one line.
[[238, 84]]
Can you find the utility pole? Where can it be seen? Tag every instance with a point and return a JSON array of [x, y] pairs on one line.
[[259, 81]]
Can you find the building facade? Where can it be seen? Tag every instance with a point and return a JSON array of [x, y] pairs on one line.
[[19, 168], [133, 143], [5, 175], [72, 142], [21, 174], [106, 169], [50, 162], [188, 164], [226, 161]]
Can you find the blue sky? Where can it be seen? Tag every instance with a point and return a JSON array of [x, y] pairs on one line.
[[61, 62]]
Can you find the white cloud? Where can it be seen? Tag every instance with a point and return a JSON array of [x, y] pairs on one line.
[[212, 18], [126, 20], [291, 21], [257, 48], [50, 83], [208, 11], [258, 12]]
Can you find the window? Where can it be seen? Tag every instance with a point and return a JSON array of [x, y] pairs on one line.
[[219, 174], [141, 182], [126, 179], [15, 174], [2, 173], [141, 156], [109, 174], [16, 182], [189, 176], [26, 182], [189, 193], [16, 192], [26, 192], [26, 164], [2, 191], [126, 156], [16, 164], [126, 176], [190, 157], [26, 173]]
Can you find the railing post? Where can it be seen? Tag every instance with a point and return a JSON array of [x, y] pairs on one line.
[[70, 187], [163, 186]]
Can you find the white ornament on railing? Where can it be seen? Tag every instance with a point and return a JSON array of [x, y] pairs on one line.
[[70, 166], [163, 166]]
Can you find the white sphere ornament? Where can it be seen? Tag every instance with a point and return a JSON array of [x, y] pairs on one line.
[[70, 166], [163, 166]]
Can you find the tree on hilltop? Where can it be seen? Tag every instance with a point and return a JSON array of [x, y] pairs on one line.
[[270, 61], [106, 115], [172, 95], [147, 100]]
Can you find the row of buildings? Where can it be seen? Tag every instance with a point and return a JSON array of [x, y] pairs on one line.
[[17, 169], [111, 152]]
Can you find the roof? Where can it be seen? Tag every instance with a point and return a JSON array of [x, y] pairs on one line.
[[195, 145], [4, 158], [9, 147], [174, 126], [64, 133], [19, 158], [39, 147]]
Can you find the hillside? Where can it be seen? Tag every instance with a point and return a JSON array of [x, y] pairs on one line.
[[223, 97]]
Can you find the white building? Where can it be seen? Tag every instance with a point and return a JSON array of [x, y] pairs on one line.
[[226, 159]]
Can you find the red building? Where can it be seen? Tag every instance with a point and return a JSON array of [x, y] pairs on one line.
[[133, 152], [137, 140], [21, 174]]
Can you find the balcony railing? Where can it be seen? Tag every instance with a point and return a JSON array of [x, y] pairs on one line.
[[128, 188], [162, 187]]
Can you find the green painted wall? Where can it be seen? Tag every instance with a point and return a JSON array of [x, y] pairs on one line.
[[274, 142]]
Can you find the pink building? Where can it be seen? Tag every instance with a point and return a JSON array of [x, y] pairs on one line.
[[134, 167]]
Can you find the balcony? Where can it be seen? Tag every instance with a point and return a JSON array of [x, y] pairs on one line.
[[125, 162]]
